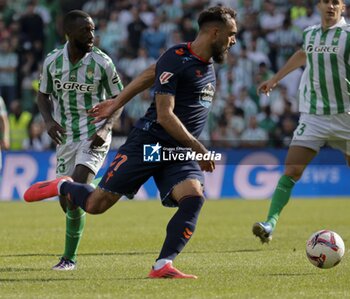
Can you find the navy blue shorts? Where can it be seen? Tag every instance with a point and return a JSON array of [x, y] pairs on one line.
[[128, 172]]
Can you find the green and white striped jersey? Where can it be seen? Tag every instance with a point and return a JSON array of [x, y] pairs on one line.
[[74, 89], [324, 87]]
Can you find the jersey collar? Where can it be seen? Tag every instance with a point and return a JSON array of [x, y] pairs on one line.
[[195, 55], [341, 23], [85, 60]]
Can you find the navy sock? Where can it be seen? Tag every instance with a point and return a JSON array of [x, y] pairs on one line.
[[78, 193], [181, 227]]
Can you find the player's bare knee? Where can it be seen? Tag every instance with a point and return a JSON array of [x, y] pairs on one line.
[[189, 187], [294, 171]]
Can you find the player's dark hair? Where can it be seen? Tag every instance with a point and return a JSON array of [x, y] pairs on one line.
[[219, 14], [71, 17]]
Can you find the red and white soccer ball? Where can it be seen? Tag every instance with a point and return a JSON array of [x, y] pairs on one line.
[[325, 249]]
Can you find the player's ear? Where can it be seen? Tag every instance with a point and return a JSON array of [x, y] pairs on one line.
[[216, 32], [343, 7], [318, 5]]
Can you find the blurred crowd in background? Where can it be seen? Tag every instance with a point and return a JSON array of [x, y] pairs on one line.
[[134, 33]]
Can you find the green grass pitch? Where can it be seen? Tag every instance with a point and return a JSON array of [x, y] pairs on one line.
[[119, 247]]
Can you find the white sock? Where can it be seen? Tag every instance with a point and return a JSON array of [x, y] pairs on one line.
[[161, 263]]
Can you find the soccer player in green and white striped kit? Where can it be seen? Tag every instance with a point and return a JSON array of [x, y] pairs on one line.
[[74, 78], [324, 102]]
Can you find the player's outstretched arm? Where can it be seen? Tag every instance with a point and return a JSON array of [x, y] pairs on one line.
[[294, 62], [106, 108]]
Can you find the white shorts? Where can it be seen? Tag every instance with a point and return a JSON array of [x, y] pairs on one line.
[[315, 131], [72, 154]]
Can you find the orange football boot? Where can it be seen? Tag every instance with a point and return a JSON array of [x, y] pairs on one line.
[[168, 271], [44, 189]]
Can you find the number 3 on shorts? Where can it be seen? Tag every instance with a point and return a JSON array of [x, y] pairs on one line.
[[301, 129], [61, 165]]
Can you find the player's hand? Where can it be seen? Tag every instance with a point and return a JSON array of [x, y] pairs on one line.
[[205, 165], [102, 110], [55, 131], [266, 86], [99, 138]]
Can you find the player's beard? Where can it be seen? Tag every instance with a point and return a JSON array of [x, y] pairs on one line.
[[84, 47], [218, 54]]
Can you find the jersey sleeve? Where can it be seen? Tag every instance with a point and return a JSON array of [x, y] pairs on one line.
[[303, 42], [112, 83], [168, 70], [305, 32], [45, 81]]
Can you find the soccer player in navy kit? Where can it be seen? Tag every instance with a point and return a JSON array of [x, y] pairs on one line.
[[184, 89]]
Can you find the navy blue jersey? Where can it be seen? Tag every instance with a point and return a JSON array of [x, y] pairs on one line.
[[191, 80]]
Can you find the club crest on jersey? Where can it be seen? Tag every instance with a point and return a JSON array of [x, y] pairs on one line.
[[90, 74], [206, 95], [164, 77]]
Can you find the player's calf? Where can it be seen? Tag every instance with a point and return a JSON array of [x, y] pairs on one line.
[[100, 201], [91, 200], [181, 227]]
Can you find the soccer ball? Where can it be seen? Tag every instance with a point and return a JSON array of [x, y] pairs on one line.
[[325, 249]]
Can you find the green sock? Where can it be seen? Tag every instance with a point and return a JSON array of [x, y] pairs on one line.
[[280, 198], [75, 222]]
